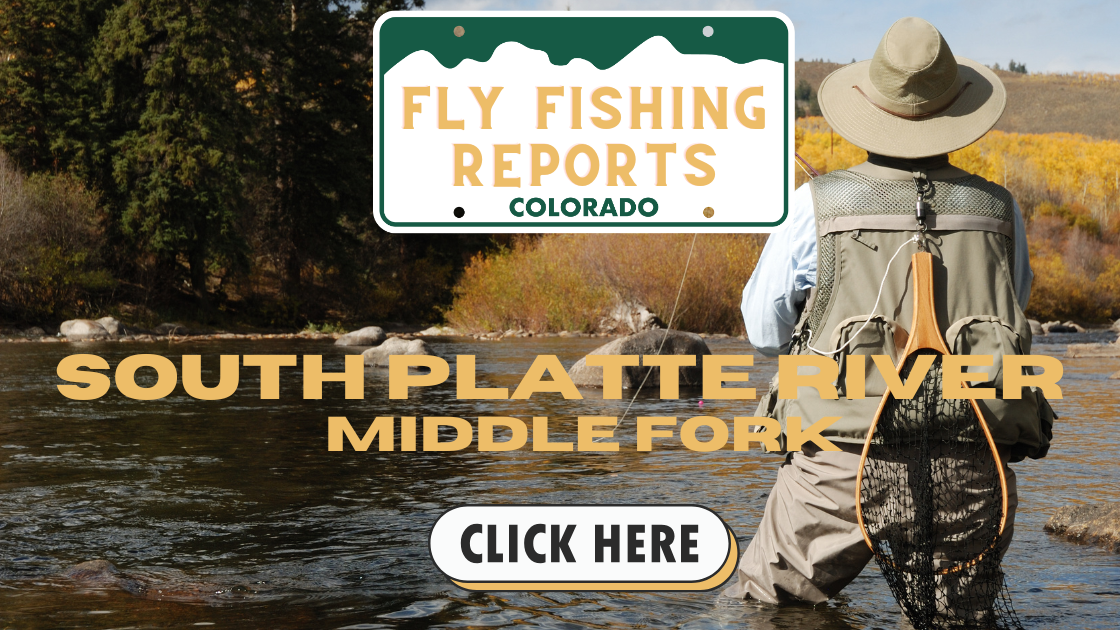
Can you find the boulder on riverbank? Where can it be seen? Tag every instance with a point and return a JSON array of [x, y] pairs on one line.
[[1097, 524], [379, 356], [171, 329], [643, 343], [1036, 327], [113, 326], [83, 329], [630, 317], [368, 336], [438, 331]]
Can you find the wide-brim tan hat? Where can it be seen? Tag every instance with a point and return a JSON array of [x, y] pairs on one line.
[[913, 98]]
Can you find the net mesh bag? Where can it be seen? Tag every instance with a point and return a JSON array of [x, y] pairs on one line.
[[931, 501]]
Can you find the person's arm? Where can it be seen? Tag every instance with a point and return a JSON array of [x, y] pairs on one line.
[[1021, 274], [786, 270]]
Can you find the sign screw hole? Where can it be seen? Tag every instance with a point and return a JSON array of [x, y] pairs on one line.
[[460, 31], [459, 212], [709, 212], [708, 31]]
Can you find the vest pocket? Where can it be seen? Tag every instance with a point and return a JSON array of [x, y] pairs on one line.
[[867, 335], [984, 335], [1024, 424]]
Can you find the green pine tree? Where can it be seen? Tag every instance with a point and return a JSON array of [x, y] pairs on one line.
[[176, 74], [46, 92], [313, 108]]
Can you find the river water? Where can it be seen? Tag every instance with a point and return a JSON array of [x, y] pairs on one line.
[[233, 513]]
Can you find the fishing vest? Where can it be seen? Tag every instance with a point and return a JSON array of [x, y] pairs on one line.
[[863, 216]]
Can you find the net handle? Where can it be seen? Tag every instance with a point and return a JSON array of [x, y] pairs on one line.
[[926, 335]]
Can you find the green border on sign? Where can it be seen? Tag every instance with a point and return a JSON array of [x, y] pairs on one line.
[[603, 41]]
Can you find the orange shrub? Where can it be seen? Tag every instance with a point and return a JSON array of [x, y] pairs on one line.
[[535, 285], [572, 281]]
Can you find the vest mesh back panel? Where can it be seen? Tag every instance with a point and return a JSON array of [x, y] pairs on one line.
[[844, 193], [931, 502]]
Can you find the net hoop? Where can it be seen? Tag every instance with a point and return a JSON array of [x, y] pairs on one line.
[[926, 335]]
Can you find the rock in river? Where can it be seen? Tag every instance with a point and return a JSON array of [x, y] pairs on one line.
[[1097, 350], [644, 343], [83, 329], [171, 329], [438, 331], [1060, 327], [379, 356], [368, 336], [1097, 524], [1036, 327], [630, 317]]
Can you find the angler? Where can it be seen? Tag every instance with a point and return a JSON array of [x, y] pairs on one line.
[[837, 280]]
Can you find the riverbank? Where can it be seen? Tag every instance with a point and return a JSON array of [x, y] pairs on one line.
[[1065, 335], [316, 336]]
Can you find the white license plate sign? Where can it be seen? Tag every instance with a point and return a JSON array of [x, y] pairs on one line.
[[582, 122]]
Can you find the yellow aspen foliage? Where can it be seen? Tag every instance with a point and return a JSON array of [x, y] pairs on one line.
[[1068, 187]]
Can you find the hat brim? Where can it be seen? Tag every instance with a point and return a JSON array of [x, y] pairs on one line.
[[863, 124]]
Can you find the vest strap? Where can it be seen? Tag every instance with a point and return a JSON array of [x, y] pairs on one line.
[[905, 223]]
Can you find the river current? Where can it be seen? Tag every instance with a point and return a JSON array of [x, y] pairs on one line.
[[233, 513]]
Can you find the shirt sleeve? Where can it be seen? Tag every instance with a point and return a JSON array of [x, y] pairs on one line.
[[786, 270], [1021, 275]]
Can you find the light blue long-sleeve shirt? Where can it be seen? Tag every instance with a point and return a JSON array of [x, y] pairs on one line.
[[787, 269]]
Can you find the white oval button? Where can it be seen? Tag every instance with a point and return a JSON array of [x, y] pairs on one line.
[[584, 547]]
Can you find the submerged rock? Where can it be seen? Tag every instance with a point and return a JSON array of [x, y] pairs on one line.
[[379, 356], [368, 336], [82, 329], [643, 343], [1097, 524], [1082, 350], [101, 574], [91, 571]]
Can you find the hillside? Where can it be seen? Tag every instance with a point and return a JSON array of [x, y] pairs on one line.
[[1046, 103], [1036, 103]]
